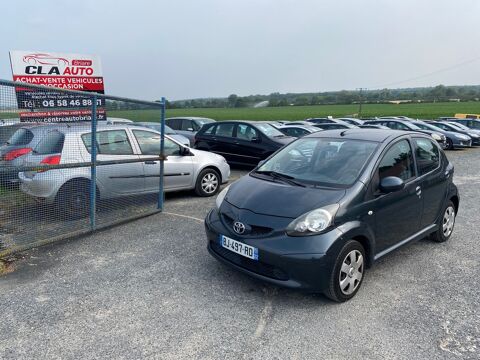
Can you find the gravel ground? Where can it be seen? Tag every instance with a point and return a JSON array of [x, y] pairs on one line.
[[149, 289]]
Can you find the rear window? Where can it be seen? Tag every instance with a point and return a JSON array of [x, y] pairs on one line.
[[51, 143], [21, 137], [111, 142]]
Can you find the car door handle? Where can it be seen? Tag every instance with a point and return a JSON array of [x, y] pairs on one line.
[[150, 162], [418, 190]]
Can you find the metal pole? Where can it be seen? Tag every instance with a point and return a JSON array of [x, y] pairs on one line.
[[93, 165], [360, 105], [162, 154]]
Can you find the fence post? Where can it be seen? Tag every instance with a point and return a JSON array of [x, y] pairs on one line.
[[93, 166], [162, 155]]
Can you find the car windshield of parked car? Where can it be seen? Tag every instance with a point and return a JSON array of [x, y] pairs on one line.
[[426, 126], [320, 161], [205, 121], [459, 126], [269, 130]]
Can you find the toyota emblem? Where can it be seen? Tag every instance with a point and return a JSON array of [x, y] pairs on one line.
[[238, 227]]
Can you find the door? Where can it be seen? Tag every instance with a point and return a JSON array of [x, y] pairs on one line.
[[178, 169], [222, 142], [398, 213], [248, 145], [433, 179], [116, 179]]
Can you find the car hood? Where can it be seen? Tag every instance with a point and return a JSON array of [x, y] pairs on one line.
[[279, 199], [284, 140]]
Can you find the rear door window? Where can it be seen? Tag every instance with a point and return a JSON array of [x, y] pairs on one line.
[[21, 137], [428, 155], [51, 143], [111, 142], [174, 123], [187, 125], [225, 130]]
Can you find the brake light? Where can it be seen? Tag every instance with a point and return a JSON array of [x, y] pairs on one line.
[[13, 154], [50, 160]]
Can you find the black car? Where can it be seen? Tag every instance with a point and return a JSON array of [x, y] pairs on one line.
[[324, 208], [241, 142], [335, 126], [406, 125], [187, 126]]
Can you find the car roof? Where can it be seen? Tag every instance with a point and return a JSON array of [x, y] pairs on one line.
[[376, 135]]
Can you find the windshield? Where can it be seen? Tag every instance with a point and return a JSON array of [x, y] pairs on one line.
[[414, 127], [459, 126], [426, 126], [269, 130], [321, 161], [204, 121]]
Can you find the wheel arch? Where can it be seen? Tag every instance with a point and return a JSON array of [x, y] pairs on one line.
[[212, 167], [78, 180]]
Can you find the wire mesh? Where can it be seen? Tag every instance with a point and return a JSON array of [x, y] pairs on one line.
[[55, 181]]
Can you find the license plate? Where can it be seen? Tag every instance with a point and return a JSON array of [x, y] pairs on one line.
[[238, 247]]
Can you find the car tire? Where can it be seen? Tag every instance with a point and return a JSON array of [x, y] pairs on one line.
[[73, 200], [450, 144], [208, 183], [445, 224], [348, 272]]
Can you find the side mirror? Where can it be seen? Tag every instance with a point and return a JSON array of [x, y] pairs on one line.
[[184, 151], [391, 183], [255, 140]]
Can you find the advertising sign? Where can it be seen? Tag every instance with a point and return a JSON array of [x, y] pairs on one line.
[[56, 70]]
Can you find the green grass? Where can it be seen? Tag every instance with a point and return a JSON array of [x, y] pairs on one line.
[[421, 111]]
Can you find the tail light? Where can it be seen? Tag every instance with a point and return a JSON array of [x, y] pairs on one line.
[[50, 160], [13, 154]]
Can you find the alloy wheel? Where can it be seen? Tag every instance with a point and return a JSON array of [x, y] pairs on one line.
[[209, 183], [351, 272], [448, 221]]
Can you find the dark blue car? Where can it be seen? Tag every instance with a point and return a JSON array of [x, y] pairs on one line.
[[322, 209]]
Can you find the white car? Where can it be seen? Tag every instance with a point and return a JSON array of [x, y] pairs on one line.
[[68, 188]]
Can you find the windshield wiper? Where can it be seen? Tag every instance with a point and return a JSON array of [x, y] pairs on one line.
[[284, 177]]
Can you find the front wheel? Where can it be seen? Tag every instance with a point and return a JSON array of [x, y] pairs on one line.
[[450, 144], [208, 183], [348, 272], [446, 224]]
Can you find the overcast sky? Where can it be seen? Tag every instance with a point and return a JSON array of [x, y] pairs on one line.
[[191, 48]]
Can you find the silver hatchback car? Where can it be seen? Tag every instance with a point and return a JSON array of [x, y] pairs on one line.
[[185, 168]]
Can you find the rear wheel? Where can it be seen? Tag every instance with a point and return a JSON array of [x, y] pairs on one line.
[[73, 200], [348, 272], [446, 224], [208, 183]]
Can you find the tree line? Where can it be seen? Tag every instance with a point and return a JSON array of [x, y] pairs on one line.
[[426, 94]]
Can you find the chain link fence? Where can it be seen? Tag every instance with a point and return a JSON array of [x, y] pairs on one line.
[[56, 182]]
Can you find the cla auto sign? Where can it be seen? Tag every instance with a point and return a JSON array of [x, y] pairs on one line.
[[66, 71]]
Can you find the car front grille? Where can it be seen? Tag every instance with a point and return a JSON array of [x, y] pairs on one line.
[[255, 266], [254, 230]]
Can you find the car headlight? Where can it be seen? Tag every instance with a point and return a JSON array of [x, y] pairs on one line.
[[473, 136], [313, 222], [221, 196], [436, 136], [462, 137]]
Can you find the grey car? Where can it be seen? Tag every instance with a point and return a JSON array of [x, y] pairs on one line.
[[168, 131], [68, 189], [187, 126], [298, 130], [21, 142]]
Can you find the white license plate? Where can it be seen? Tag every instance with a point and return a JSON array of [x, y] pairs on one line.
[[238, 247]]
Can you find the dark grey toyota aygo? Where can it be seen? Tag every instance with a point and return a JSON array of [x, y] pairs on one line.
[[322, 209]]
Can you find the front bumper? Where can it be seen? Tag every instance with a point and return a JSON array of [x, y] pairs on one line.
[[462, 143], [306, 267]]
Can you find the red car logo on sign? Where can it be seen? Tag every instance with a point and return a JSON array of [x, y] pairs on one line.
[[45, 59], [81, 62]]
